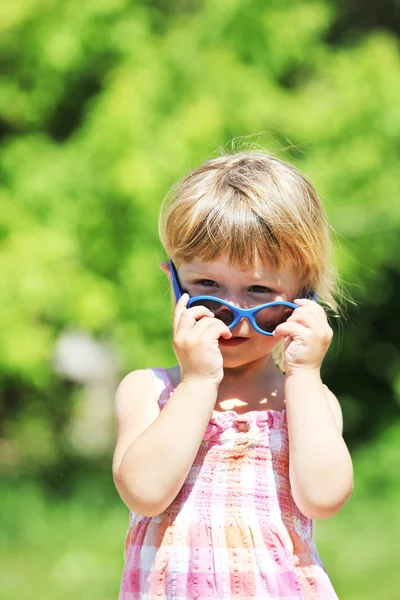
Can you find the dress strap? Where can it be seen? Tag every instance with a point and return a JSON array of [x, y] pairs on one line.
[[163, 385]]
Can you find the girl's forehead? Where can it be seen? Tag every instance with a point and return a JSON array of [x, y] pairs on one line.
[[220, 269]]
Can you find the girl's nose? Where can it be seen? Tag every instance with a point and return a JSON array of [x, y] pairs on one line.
[[243, 328]]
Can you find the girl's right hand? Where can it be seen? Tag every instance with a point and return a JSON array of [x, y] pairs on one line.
[[195, 341]]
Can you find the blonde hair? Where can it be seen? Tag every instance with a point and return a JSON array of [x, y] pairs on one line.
[[250, 205]]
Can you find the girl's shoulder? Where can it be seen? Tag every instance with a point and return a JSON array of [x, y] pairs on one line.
[[150, 382], [136, 407], [135, 390], [138, 400]]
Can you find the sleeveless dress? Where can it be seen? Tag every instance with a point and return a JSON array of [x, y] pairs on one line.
[[233, 531]]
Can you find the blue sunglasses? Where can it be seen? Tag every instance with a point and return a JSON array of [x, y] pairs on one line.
[[264, 318]]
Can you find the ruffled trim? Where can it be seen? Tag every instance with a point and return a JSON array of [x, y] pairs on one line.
[[254, 422], [262, 418]]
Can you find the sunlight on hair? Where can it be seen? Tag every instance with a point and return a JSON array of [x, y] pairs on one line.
[[251, 207]]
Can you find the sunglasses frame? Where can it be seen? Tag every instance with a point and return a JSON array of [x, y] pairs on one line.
[[238, 313]]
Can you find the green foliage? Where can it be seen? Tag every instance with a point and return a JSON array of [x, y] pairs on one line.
[[359, 544], [65, 548], [103, 105]]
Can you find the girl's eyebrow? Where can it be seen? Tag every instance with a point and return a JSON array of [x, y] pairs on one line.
[[261, 281]]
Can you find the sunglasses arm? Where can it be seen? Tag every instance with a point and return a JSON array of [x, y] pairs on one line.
[[175, 282]]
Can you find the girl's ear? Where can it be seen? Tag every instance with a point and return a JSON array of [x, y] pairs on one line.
[[164, 266]]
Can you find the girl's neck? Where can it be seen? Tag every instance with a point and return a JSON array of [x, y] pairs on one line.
[[252, 387], [258, 371]]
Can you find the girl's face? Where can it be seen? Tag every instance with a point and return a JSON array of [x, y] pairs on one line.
[[245, 289]]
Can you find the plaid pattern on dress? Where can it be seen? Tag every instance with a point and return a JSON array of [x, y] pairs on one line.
[[233, 531]]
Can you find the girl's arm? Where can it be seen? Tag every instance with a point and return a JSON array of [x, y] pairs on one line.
[[321, 471], [155, 450]]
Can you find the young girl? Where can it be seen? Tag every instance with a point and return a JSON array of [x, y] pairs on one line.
[[218, 510]]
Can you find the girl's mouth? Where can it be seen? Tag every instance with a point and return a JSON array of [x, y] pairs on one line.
[[234, 341]]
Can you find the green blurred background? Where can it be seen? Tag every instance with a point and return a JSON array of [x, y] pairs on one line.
[[103, 105]]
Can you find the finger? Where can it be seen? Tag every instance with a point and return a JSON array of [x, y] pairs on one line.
[[215, 327], [309, 318], [179, 308], [311, 303], [189, 317], [292, 329], [298, 331], [304, 302]]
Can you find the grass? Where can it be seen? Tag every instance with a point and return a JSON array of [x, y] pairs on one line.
[[62, 549]]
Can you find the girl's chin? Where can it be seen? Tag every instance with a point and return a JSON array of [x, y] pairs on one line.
[[240, 356], [232, 362]]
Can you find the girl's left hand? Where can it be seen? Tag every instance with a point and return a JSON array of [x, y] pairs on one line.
[[307, 336]]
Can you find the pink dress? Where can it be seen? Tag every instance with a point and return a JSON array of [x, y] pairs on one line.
[[233, 531]]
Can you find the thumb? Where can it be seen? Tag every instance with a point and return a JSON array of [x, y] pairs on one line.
[[226, 333], [291, 329]]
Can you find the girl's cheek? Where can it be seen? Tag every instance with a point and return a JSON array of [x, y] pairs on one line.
[[268, 342]]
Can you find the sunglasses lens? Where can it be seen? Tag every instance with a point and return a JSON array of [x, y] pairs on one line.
[[222, 312], [269, 318]]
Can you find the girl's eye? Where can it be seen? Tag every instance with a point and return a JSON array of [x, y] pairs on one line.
[[205, 282], [260, 289]]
